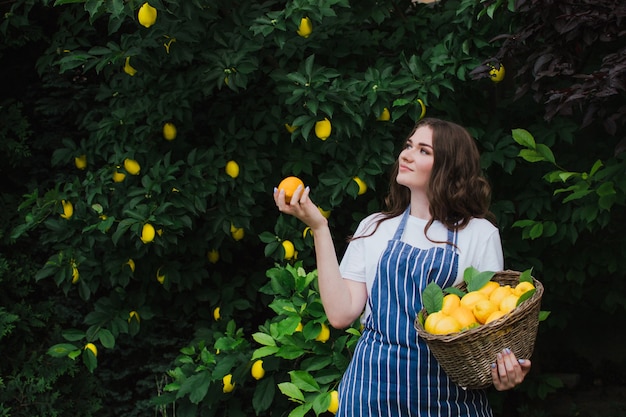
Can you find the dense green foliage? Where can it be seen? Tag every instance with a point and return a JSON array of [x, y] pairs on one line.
[[87, 87]]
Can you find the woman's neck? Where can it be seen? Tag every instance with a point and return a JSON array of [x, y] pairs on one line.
[[420, 206]]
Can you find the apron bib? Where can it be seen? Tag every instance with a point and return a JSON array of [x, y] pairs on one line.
[[392, 373]]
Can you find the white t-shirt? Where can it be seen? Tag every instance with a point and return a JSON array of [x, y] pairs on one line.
[[478, 245]]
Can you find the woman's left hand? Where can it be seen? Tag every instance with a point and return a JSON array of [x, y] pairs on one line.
[[508, 371]]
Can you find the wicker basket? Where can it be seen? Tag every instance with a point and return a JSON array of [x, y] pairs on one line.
[[467, 356]]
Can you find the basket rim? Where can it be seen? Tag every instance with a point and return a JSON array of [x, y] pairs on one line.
[[502, 321]]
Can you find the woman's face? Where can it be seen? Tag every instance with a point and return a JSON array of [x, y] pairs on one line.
[[415, 162]]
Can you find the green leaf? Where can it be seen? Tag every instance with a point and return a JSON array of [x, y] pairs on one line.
[[531, 155], [264, 394], [106, 338], [196, 386], [73, 335], [526, 276], [432, 298], [265, 351], [524, 138], [546, 152], [264, 339], [304, 381], [291, 391], [479, 280], [61, 350]]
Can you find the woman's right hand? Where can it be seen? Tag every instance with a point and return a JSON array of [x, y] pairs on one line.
[[301, 206]]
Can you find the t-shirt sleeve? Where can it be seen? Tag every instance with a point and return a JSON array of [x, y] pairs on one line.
[[352, 265], [492, 258]]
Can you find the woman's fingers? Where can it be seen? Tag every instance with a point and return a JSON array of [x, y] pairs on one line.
[[508, 372]]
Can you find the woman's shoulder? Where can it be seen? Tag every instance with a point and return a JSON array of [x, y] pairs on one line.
[[369, 223], [480, 226]]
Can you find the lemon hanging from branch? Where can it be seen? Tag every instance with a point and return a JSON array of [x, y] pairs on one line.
[[128, 69], [305, 28], [323, 128], [147, 15]]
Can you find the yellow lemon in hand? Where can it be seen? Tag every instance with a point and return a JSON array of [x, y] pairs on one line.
[[290, 185], [232, 169], [323, 128], [257, 370], [147, 15], [334, 402], [169, 131], [305, 28], [447, 325], [488, 288], [499, 293]]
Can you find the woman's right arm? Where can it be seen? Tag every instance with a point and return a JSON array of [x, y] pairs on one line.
[[343, 299]]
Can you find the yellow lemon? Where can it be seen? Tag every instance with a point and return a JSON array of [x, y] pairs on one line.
[[213, 255], [471, 298], [232, 169], [447, 325], [299, 327], [325, 213], [323, 129], [523, 287], [81, 161], [135, 315], [498, 294], [75, 274], [147, 15], [118, 176], [131, 265], [334, 402], [465, 317], [68, 209], [237, 232], [128, 69], [361, 184], [92, 348], [147, 233], [488, 288], [324, 334], [169, 131], [495, 316], [289, 249], [497, 74], [483, 309], [423, 107], [216, 313], [450, 302], [159, 276], [290, 185], [290, 128], [509, 303], [131, 166], [228, 383], [432, 320], [257, 370], [385, 115], [305, 28]]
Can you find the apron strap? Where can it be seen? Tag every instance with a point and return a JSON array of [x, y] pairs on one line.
[[400, 229]]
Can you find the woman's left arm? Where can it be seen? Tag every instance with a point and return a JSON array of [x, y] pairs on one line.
[[508, 371]]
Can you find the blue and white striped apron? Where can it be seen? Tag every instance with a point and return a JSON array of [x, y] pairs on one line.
[[392, 373]]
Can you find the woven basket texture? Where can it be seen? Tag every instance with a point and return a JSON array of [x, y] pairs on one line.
[[467, 356]]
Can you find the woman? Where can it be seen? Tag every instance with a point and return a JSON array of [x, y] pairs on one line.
[[436, 225]]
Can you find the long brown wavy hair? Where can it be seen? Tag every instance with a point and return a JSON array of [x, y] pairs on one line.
[[457, 190]]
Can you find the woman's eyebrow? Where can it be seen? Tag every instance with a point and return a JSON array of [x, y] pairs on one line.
[[425, 144]]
